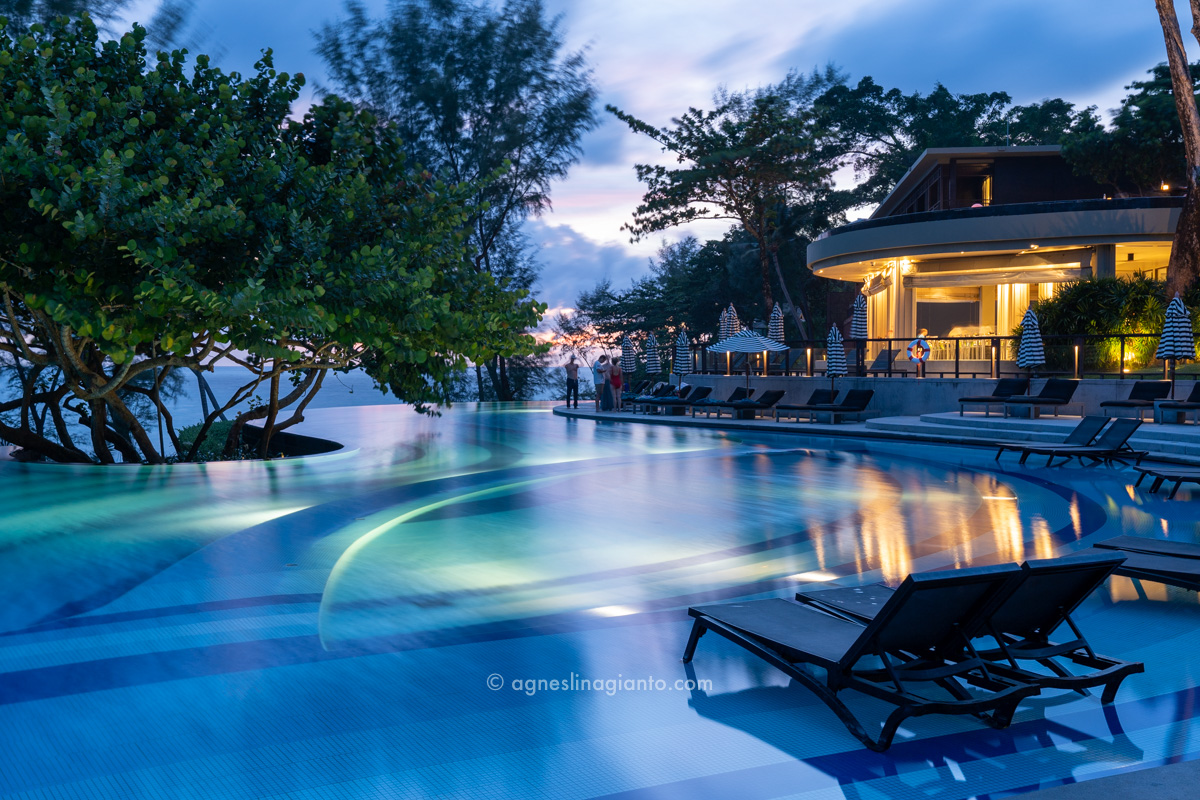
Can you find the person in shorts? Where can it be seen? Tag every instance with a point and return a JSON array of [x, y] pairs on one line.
[[572, 368]]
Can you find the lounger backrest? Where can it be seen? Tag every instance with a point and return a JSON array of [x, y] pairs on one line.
[[1059, 389], [1150, 390], [699, 393], [771, 397], [931, 610], [1194, 397], [857, 399], [1086, 430], [1118, 433], [740, 393], [883, 359], [822, 397], [1011, 387], [1052, 589]]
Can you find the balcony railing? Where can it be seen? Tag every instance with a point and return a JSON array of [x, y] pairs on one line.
[[1129, 355]]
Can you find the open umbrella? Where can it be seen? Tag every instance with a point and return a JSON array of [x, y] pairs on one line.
[[835, 355], [1177, 340], [653, 362], [1032, 352], [747, 341], [775, 328], [858, 323], [628, 359], [683, 354]]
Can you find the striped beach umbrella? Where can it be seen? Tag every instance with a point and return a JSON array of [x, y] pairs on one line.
[[732, 323], [1177, 341], [858, 323], [628, 357], [1032, 352], [775, 328], [722, 326], [747, 341], [653, 362], [682, 364], [835, 353]]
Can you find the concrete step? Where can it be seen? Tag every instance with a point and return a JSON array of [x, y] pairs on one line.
[[999, 423]]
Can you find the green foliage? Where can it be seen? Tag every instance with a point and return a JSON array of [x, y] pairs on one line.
[[1110, 306], [1143, 147], [212, 445], [483, 96], [881, 132], [760, 158], [156, 217]]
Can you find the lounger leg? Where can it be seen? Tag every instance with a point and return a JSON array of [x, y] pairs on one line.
[[1174, 489], [698, 630], [1158, 482], [1141, 478]]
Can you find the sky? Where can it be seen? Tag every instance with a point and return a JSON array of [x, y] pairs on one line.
[[656, 58]]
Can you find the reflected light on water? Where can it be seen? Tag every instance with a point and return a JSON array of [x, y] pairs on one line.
[[816, 576], [614, 611]]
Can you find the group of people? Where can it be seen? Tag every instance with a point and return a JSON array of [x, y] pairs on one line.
[[608, 379]]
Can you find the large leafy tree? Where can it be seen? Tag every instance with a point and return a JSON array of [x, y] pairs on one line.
[[881, 132], [481, 94], [1143, 146], [753, 159], [155, 218]]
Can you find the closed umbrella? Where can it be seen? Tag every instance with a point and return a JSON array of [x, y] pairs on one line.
[[732, 323], [653, 362], [1032, 352], [1177, 340], [747, 341], [775, 328], [723, 326], [628, 358], [835, 355], [858, 323], [683, 354]]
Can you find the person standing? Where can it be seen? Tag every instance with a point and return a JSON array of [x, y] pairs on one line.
[[600, 378], [572, 369], [615, 379]]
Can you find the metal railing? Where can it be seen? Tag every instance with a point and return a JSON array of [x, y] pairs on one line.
[[1127, 355]]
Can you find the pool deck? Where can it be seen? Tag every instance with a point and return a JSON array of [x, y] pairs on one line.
[[1168, 443]]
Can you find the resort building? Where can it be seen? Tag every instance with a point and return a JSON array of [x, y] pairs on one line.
[[972, 236]]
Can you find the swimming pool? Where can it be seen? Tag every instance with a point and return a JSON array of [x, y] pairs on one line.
[[338, 626]]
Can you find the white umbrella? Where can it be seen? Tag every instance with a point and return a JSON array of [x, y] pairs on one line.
[[775, 328], [628, 359], [723, 326], [1177, 340], [858, 323], [653, 362], [1032, 352], [683, 354]]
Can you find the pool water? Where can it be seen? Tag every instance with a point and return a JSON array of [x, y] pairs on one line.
[[375, 622]]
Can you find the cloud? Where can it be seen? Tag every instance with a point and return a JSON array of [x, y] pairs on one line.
[[573, 263]]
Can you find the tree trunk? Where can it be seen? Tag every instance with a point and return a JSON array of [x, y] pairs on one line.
[[802, 324], [505, 393], [30, 441], [96, 422], [264, 444], [478, 382], [764, 269], [1183, 270]]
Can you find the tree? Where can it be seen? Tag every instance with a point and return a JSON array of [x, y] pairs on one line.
[[23, 13], [881, 132], [483, 96], [1183, 270], [1143, 146], [750, 159], [153, 219]]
